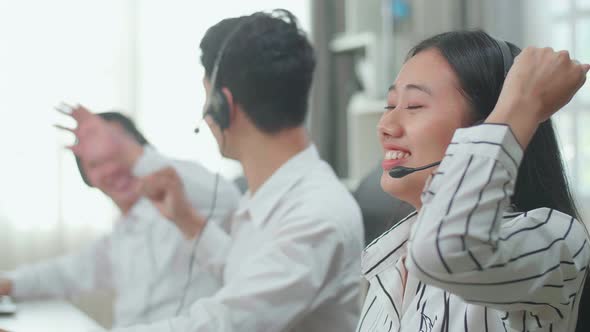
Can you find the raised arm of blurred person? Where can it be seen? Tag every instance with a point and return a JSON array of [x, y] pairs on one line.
[[109, 150]]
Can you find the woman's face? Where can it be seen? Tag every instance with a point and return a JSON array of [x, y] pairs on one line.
[[424, 107]]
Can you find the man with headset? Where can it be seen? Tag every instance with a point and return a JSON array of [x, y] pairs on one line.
[[145, 260], [291, 259]]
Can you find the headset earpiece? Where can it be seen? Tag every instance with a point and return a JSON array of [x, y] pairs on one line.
[[218, 105], [507, 57], [218, 109]]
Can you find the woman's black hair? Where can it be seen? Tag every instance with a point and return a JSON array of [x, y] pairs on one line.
[[477, 60], [128, 126]]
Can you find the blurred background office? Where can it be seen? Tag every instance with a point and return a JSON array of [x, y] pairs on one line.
[[142, 56]]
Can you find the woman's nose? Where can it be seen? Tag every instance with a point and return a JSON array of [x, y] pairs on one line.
[[390, 125]]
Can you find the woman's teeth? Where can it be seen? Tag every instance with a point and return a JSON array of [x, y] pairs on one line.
[[391, 155]]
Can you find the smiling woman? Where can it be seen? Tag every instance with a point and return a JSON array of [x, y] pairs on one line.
[[421, 101], [485, 247]]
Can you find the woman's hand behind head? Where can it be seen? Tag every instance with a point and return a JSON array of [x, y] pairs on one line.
[[541, 82]]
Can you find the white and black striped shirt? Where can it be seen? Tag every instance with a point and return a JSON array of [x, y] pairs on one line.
[[465, 262]]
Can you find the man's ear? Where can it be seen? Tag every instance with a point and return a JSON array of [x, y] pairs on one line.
[[231, 103]]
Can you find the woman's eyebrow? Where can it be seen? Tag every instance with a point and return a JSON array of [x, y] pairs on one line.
[[419, 87]]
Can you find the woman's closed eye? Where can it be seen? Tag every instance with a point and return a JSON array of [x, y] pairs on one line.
[[409, 107]]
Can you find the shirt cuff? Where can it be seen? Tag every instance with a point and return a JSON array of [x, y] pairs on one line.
[[495, 141], [149, 162]]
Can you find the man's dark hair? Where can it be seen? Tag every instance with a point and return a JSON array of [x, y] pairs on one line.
[[267, 64], [127, 125]]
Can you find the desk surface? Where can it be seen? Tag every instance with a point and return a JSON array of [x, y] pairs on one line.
[[50, 315]]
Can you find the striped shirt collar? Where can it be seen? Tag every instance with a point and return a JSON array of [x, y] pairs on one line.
[[377, 257], [260, 205]]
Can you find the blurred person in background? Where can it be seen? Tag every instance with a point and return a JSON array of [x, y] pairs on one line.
[[145, 260]]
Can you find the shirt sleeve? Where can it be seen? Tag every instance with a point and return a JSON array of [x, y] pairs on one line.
[[70, 275], [211, 195], [463, 241], [273, 289]]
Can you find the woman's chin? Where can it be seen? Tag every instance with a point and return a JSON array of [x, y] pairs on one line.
[[391, 185], [401, 189]]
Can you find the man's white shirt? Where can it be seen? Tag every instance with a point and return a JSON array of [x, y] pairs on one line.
[[290, 262], [144, 260]]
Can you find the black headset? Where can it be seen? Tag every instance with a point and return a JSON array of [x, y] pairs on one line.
[[507, 57], [217, 105]]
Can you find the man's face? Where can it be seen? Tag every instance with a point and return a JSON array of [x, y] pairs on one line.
[[114, 180]]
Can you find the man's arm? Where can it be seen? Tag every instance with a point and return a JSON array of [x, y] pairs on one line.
[[65, 276]]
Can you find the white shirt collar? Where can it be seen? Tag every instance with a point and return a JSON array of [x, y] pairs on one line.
[[139, 216], [274, 188]]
